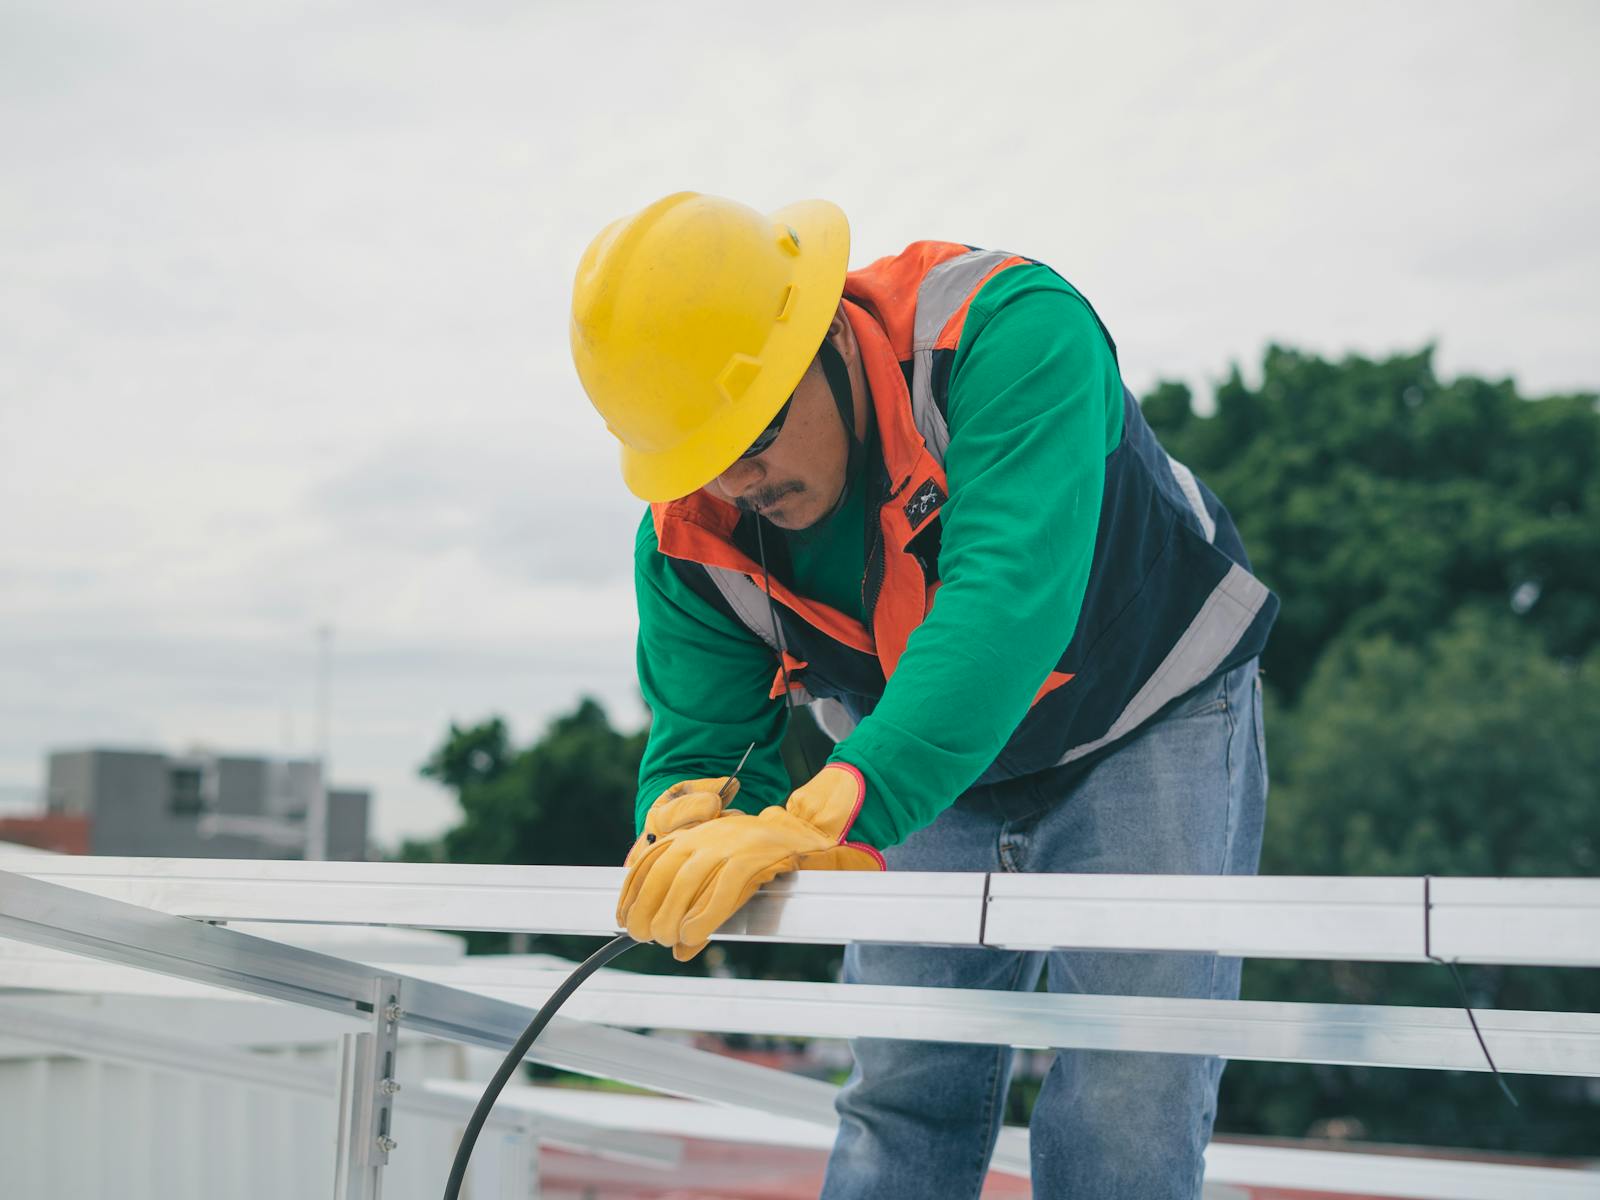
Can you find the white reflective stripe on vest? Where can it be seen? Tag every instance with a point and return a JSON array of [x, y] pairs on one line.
[[750, 604], [1205, 645], [1191, 493], [943, 290]]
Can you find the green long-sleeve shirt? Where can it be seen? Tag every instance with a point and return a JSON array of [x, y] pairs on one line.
[[1034, 408]]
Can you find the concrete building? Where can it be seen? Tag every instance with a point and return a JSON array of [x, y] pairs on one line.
[[202, 805]]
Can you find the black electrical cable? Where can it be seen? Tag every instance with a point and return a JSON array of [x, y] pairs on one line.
[[838, 377], [772, 611], [514, 1057], [1466, 1001], [778, 642]]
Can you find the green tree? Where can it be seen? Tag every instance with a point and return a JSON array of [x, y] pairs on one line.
[[474, 755], [567, 798]]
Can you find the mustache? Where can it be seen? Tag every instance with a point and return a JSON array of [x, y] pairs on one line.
[[768, 496]]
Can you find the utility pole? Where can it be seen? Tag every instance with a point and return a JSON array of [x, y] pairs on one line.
[[317, 813]]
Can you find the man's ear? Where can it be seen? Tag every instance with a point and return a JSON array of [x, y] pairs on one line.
[[841, 334]]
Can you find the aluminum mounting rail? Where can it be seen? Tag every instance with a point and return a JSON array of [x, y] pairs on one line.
[[110, 1042], [1546, 922], [66, 919], [1552, 1043], [1539, 1043]]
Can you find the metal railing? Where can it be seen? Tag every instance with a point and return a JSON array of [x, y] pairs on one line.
[[154, 914]]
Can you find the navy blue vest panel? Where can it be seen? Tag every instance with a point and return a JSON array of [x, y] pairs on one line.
[[1154, 570]]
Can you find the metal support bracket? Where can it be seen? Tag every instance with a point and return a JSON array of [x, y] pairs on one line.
[[519, 1178], [367, 1087]]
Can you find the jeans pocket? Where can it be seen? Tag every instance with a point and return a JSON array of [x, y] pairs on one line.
[[1205, 698]]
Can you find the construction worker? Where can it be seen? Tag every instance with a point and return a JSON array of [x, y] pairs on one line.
[[919, 497]]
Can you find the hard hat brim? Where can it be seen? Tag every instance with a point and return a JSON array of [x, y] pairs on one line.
[[819, 275]]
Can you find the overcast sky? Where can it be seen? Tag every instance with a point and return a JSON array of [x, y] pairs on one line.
[[283, 294]]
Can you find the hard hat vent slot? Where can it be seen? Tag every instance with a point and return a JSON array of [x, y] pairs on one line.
[[787, 305], [737, 377]]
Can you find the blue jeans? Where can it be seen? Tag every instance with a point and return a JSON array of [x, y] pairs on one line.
[[1186, 794]]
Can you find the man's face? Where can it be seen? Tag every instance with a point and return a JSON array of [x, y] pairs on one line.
[[796, 481]]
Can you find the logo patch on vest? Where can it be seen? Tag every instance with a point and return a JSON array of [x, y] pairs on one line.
[[924, 502]]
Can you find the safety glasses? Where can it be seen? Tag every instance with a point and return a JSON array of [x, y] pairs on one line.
[[767, 436]]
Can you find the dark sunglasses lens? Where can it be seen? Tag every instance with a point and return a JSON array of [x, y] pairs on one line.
[[770, 434]]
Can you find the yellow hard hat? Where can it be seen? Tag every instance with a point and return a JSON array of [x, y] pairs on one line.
[[692, 322]]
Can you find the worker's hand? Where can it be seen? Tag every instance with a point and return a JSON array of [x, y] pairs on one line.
[[685, 885], [682, 805]]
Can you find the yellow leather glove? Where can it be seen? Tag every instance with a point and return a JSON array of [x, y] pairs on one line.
[[680, 806], [686, 884], [695, 801]]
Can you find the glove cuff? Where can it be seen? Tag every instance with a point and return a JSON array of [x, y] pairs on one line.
[[830, 802]]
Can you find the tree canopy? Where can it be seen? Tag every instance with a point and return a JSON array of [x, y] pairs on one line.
[[567, 798]]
